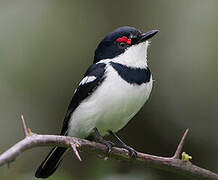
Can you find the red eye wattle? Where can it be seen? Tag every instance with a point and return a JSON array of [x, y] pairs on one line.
[[124, 39], [128, 41]]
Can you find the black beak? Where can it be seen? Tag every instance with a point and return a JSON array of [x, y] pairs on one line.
[[147, 35]]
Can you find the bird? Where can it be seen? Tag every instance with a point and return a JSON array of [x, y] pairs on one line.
[[113, 89]]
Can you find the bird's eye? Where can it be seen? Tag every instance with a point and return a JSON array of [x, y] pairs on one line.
[[122, 44]]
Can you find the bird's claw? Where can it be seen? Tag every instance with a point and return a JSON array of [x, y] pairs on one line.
[[109, 146], [132, 152]]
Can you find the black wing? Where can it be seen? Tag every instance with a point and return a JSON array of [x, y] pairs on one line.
[[84, 90]]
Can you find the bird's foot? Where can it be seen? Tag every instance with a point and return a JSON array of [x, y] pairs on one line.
[[108, 144], [132, 152]]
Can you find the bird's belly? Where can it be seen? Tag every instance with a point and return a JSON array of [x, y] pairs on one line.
[[110, 107], [121, 107]]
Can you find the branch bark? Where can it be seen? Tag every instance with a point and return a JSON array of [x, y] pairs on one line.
[[171, 164]]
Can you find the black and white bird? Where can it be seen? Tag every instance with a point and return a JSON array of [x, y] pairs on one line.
[[112, 91]]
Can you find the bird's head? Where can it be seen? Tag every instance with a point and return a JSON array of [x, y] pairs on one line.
[[125, 45]]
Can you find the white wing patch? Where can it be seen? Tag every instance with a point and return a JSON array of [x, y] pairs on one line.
[[87, 79]]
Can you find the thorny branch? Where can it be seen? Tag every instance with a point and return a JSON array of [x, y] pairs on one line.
[[171, 164]]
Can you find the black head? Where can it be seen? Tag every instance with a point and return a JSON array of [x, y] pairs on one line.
[[119, 40]]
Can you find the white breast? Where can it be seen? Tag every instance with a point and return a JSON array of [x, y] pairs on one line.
[[110, 107]]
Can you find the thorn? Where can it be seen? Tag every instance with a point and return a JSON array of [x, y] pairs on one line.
[[74, 146], [30, 133], [26, 133], [180, 146]]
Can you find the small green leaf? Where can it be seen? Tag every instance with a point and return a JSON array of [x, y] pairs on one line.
[[186, 157]]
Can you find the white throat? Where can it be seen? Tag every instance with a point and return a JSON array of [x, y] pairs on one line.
[[134, 56]]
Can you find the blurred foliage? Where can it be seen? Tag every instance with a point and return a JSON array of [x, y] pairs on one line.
[[57, 176], [46, 46]]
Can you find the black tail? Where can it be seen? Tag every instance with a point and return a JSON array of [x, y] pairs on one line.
[[51, 162]]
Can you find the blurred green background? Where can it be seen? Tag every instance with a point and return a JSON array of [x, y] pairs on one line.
[[46, 46]]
